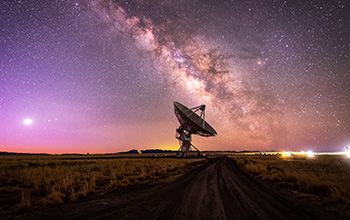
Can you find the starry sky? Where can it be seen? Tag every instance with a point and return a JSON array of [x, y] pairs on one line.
[[101, 76]]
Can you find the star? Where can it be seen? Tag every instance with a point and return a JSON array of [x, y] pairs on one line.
[[28, 121]]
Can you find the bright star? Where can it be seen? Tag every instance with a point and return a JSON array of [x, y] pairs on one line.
[[28, 121]]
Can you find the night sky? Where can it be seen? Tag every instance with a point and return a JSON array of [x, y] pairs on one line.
[[101, 76]]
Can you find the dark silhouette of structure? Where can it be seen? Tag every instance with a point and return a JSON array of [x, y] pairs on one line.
[[191, 123]]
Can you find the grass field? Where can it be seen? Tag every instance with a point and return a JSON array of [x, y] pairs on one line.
[[30, 182], [324, 180]]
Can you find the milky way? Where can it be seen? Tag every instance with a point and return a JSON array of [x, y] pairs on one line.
[[274, 75]]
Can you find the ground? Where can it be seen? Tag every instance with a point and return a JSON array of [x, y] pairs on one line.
[[217, 190]]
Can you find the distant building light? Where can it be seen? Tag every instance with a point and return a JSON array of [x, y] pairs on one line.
[[310, 154], [286, 154]]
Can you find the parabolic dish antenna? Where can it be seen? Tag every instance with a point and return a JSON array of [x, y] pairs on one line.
[[191, 123]]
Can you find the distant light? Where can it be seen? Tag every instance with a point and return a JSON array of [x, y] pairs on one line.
[[347, 150], [28, 121], [310, 154], [286, 154]]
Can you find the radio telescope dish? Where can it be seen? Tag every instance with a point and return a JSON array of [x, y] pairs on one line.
[[191, 123]]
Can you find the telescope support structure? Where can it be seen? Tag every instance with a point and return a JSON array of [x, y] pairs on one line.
[[185, 139]]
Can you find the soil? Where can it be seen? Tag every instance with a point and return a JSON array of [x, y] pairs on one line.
[[218, 189]]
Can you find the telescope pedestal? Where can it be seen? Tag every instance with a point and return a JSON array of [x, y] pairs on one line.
[[185, 139]]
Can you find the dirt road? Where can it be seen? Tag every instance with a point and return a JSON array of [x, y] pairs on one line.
[[216, 190]]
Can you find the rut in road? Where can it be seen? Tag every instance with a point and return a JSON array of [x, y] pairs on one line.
[[218, 189]]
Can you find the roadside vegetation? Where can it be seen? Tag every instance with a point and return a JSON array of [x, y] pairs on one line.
[[30, 182], [324, 180]]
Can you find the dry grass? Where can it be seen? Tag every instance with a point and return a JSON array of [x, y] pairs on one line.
[[30, 182], [325, 180]]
